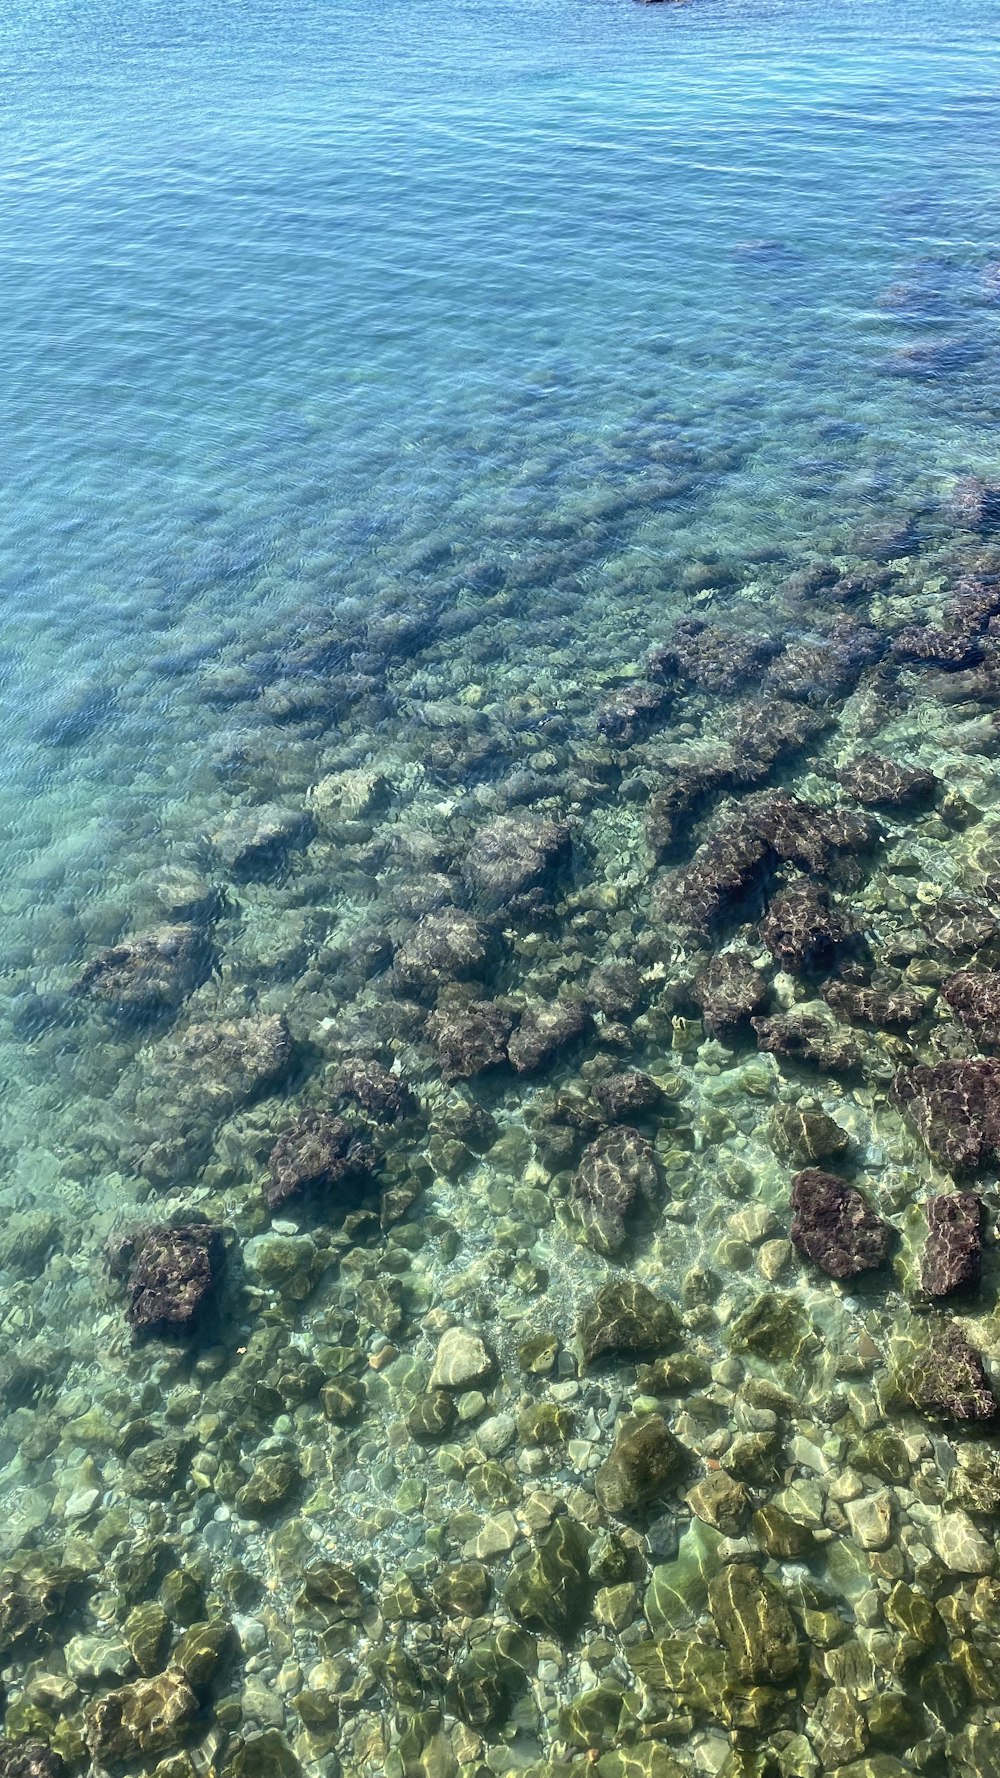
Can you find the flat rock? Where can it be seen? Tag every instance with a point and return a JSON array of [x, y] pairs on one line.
[[962, 1547], [953, 1252], [834, 1227]]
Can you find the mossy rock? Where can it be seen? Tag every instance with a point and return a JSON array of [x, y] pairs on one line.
[[203, 1652], [882, 1453], [538, 1354], [432, 1417], [913, 1615], [592, 1718], [776, 1328], [462, 1589], [271, 1484], [753, 1623], [644, 1462], [678, 1590], [550, 1589], [335, 1590], [781, 1536], [484, 1686], [26, 1242], [267, 1755], [150, 1716], [182, 1594], [35, 1592], [146, 1631], [625, 1316], [690, 1671], [544, 1423], [157, 1469]]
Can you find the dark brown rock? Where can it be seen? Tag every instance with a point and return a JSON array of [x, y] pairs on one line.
[[675, 806], [30, 1759], [834, 1227], [149, 974], [955, 1106], [888, 1009], [728, 990], [546, 1027], [712, 658], [445, 946], [958, 925], [382, 1095], [953, 1253], [514, 865], [174, 1274], [470, 1036], [801, 930], [974, 503], [623, 1096], [319, 1155], [763, 731], [974, 998], [878, 782], [616, 990], [808, 1033], [632, 710]]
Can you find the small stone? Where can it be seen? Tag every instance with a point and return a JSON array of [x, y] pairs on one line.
[[461, 1360], [146, 1630], [93, 1658], [29, 1759], [431, 1418], [871, 1520]]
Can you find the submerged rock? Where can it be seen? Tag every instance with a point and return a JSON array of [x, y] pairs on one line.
[[150, 1716], [956, 1109], [625, 1316], [446, 946], [381, 1094], [626, 1095], [754, 1624], [728, 990], [888, 1009], [615, 1169], [550, 1588], [946, 1378], [804, 1133], [974, 503], [801, 930], [878, 782], [470, 1036], [953, 1252], [320, 1155], [514, 865], [809, 1033], [461, 1360], [974, 998], [174, 1274], [546, 1027], [834, 1227], [149, 974], [644, 1461], [712, 658], [632, 710], [255, 841], [30, 1759]]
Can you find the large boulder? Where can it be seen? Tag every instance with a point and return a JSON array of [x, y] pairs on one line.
[[546, 1028], [728, 990], [878, 782], [255, 841], [470, 1036], [801, 930], [754, 1624], [974, 998], [834, 1227], [946, 1378], [381, 1094], [626, 1316]]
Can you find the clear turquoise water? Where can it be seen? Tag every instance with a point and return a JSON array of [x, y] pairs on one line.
[[306, 308]]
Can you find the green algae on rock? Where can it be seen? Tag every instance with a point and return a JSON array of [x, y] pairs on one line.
[[549, 1588], [754, 1623], [626, 1316]]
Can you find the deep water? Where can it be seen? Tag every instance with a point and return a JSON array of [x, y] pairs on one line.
[[387, 395]]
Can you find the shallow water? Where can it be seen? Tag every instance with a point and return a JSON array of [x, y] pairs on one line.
[[377, 386]]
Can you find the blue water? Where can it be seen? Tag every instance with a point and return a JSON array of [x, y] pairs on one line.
[[315, 309]]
